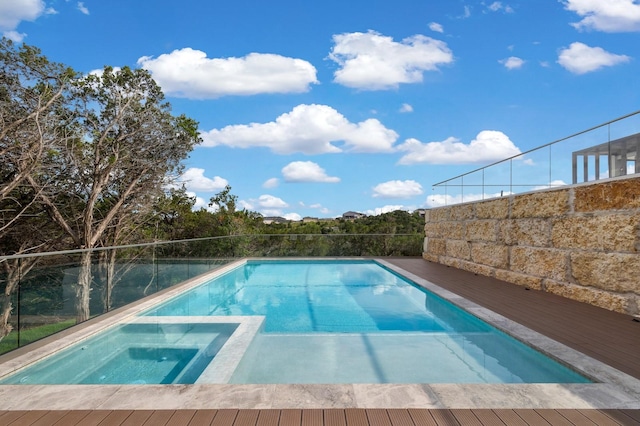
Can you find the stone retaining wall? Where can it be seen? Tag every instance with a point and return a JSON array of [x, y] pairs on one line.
[[579, 242]]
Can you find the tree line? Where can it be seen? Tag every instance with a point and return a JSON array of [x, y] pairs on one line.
[[92, 160]]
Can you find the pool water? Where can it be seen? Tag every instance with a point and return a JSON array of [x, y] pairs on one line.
[[358, 322], [159, 353]]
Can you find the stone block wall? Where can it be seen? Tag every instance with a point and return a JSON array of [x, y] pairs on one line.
[[580, 241]]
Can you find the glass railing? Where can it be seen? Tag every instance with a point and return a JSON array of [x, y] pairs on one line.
[[40, 289], [605, 151]]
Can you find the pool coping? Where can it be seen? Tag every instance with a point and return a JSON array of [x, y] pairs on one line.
[[613, 389]]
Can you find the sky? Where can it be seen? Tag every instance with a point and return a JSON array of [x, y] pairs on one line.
[[315, 108]]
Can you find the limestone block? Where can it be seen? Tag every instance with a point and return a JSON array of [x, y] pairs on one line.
[[475, 268], [539, 262], [432, 229], [540, 204], [482, 230], [612, 195], [525, 232], [602, 299], [431, 257], [519, 279], [462, 211], [440, 214], [453, 230], [493, 209], [436, 246], [611, 232], [490, 254], [618, 272], [459, 249], [427, 215], [450, 261]]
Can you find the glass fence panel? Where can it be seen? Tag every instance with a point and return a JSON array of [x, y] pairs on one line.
[[625, 146], [577, 159], [531, 171], [132, 277], [497, 179], [473, 187]]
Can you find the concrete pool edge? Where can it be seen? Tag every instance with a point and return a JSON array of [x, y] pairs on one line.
[[614, 390]]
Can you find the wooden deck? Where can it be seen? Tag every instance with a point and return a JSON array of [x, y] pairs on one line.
[[607, 336], [330, 417]]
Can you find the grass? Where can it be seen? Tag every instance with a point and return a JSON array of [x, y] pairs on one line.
[[32, 334]]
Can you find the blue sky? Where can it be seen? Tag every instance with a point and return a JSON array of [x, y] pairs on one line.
[[315, 108]]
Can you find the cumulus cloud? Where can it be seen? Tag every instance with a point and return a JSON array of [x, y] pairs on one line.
[[489, 145], [552, 184], [195, 180], [497, 6], [188, 73], [406, 108], [306, 171], [512, 62], [434, 26], [372, 61], [267, 205], [309, 129], [15, 11], [608, 16], [271, 183], [397, 189], [439, 200], [579, 58], [82, 8], [385, 209]]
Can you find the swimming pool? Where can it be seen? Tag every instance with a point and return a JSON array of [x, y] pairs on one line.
[[347, 322]]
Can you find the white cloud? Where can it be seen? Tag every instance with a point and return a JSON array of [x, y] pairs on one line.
[[397, 189], [306, 171], [12, 12], [608, 16], [266, 205], [309, 129], [82, 8], [372, 61], [512, 62], [14, 36], [385, 209], [188, 73], [271, 183], [489, 145], [406, 108], [294, 217], [497, 6], [195, 180], [201, 203], [434, 26], [439, 200], [552, 184], [579, 58], [271, 202]]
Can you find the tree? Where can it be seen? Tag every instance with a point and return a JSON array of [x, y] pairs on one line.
[[127, 146], [33, 93]]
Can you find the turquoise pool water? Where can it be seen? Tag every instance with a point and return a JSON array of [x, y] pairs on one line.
[[358, 322], [325, 322]]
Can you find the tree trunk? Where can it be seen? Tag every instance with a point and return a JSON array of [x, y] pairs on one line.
[[83, 288], [7, 306]]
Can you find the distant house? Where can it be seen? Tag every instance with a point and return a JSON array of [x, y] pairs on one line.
[[274, 219], [422, 212], [308, 219], [353, 215]]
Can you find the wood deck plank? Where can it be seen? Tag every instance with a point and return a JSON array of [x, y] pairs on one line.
[[73, 417], [224, 417], [487, 417], [532, 418], [421, 417], [466, 417], [6, 417], [29, 418], [137, 418], [52, 417], [624, 416], [246, 418], [334, 417], [360, 417], [203, 417], [313, 417], [444, 417], [400, 417], [555, 418], [268, 418], [290, 417], [95, 417], [115, 418], [509, 417], [596, 416], [181, 417], [159, 418]]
